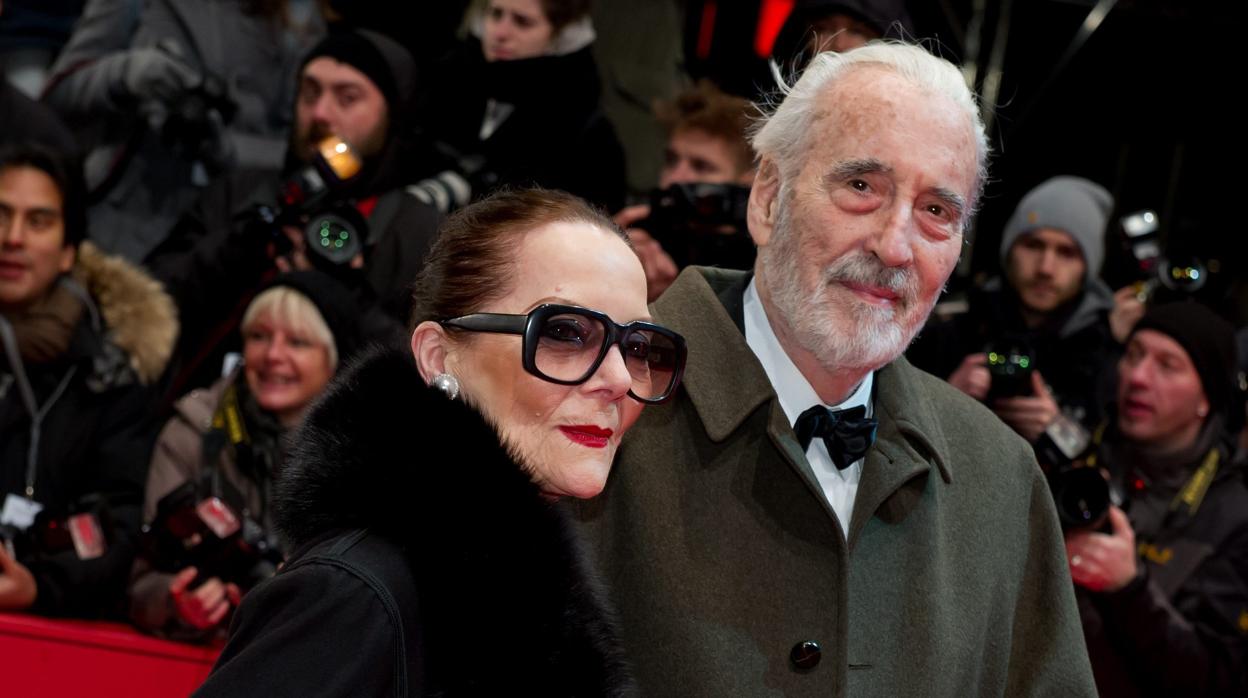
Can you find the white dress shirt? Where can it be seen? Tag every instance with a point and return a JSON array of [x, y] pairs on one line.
[[796, 396]]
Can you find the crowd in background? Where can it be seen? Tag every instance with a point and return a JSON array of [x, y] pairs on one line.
[[211, 205]]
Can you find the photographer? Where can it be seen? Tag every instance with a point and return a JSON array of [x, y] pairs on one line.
[[168, 95], [354, 85], [1163, 594], [706, 144], [81, 336], [227, 442], [1046, 322]]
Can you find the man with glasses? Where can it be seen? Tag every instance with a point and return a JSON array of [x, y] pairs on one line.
[[813, 516]]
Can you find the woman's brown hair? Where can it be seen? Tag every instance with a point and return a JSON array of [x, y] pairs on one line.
[[473, 261]]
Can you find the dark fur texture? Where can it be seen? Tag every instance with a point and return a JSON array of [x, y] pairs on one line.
[[507, 599]]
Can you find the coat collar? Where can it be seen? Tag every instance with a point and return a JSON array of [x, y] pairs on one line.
[[726, 384]]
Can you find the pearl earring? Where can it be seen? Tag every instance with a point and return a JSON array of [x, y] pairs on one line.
[[446, 383]]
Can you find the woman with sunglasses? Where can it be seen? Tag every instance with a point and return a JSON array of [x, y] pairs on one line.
[[429, 556]]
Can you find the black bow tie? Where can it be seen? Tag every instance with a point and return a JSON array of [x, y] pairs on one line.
[[847, 433]]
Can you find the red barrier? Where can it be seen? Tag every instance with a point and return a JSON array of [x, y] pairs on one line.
[[42, 657]]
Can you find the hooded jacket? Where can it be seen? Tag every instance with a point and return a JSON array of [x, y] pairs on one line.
[[422, 545], [95, 440]]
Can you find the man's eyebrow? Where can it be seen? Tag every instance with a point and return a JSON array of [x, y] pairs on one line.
[[952, 199], [849, 169]]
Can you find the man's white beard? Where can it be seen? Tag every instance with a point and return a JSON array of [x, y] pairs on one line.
[[840, 330]]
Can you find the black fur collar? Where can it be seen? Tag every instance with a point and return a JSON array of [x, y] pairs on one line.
[[495, 562], [381, 447]]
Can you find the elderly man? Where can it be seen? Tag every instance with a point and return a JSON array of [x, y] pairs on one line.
[[912, 548]]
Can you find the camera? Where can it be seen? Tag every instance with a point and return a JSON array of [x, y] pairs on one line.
[[1010, 364], [202, 524], [1081, 495], [194, 124], [702, 224], [313, 200], [86, 529], [1162, 277], [1081, 492]]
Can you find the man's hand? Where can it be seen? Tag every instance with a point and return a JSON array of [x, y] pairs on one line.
[[1127, 310], [1029, 415], [155, 74], [660, 269], [205, 606], [972, 377], [1101, 562], [17, 585]]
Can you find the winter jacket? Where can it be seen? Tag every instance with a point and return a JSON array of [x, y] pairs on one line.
[[553, 132], [426, 562], [95, 441], [1181, 627]]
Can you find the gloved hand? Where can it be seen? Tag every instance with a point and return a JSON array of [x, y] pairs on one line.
[[155, 74]]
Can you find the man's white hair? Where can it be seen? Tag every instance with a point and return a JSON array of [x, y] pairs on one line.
[[783, 136]]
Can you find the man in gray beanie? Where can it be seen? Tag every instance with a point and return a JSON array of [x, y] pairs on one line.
[[1042, 331]]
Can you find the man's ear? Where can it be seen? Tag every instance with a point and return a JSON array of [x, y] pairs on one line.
[[430, 347], [764, 195]]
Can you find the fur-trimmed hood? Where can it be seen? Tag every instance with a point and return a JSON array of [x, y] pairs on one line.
[[141, 319], [493, 560]]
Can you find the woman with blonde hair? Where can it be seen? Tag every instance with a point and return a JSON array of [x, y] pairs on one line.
[[215, 461]]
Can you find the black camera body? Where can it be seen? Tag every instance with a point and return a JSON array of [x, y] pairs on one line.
[[195, 122], [202, 524], [1010, 364], [312, 200], [702, 224]]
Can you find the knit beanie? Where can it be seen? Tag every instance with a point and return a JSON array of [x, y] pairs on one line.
[[335, 302], [1074, 205], [1210, 343], [386, 62]]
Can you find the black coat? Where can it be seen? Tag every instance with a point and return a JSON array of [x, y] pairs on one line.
[[556, 136], [426, 562], [1180, 628], [96, 438]]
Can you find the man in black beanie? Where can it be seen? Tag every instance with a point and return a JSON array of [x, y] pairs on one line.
[[1164, 595], [355, 85]]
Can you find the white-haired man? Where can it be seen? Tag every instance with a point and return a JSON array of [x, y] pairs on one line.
[[814, 516]]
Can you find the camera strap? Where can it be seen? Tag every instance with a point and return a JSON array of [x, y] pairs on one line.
[[228, 417], [1192, 494]]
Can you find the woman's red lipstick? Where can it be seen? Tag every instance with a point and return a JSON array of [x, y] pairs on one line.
[[587, 434]]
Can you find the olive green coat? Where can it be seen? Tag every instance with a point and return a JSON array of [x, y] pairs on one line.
[[723, 553]]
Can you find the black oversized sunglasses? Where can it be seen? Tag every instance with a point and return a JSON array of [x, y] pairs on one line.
[[566, 344]]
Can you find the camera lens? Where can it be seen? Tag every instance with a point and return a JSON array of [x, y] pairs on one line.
[[1081, 496], [332, 237]]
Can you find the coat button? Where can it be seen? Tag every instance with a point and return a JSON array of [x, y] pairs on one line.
[[806, 654]]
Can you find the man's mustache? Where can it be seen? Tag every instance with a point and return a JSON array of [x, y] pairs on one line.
[[864, 269]]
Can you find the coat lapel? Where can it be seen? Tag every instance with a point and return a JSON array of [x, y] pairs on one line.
[[724, 380]]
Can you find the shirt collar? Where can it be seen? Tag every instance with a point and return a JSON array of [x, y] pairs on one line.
[[793, 390]]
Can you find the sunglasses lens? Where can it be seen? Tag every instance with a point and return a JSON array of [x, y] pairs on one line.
[[653, 359], [567, 346]]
